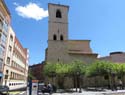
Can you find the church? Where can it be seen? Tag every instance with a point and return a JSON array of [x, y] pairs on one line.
[[60, 48]]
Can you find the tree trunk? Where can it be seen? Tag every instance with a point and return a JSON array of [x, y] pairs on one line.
[[61, 82], [76, 83], [110, 81], [95, 83], [123, 82]]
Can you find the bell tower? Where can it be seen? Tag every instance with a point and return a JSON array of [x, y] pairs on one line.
[[58, 33], [58, 22]]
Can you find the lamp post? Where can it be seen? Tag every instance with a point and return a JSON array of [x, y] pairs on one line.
[[30, 86]]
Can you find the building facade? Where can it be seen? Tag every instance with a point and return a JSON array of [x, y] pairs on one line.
[[15, 69], [60, 48], [13, 57], [4, 25], [8, 56], [37, 71], [115, 57], [19, 67]]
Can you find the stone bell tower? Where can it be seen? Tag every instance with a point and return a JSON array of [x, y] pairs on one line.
[[58, 31], [60, 48], [58, 22]]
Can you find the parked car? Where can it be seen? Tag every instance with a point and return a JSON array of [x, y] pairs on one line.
[[4, 90]]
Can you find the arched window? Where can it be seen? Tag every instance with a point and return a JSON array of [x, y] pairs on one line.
[[54, 37], [61, 37], [58, 14]]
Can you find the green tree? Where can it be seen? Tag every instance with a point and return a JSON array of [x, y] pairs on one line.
[[121, 72], [77, 71], [30, 76], [50, 71], [61, 72], [102, 68]]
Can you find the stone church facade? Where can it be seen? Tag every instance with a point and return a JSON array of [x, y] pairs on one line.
[[60, 48], [115, 57]]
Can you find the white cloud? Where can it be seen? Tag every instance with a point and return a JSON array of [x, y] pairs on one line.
[[99, 56], [16, 4], [31, 10]]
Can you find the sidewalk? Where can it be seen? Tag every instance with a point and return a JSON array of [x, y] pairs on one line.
[[106, 92], [84, 92], [118, 92]]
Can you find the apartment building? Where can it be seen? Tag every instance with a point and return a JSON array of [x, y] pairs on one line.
[[15, 69], [13, 57], [4, 24], [8, 56], [19, 66]]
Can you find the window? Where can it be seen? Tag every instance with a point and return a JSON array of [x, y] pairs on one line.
[[9, 84], [0, 34], [3, 38], [6, 75], [54, 37], [8, 60], [1, 50], [11, 37], [58, 59], [10, 48], [61, 37], [5, 26], [58, 14], [1, 24], [11, 75], [7, 71]]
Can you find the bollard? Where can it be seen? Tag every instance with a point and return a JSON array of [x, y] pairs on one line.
[[30, 87]]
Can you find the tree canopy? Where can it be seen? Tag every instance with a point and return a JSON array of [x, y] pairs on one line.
[[99, 68]]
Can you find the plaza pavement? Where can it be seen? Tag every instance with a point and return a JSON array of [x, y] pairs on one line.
[[94, 93], [107, 92]]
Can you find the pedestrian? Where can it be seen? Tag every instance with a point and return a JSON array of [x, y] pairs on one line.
[[50, 88]]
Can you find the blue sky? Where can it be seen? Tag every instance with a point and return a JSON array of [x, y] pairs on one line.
[[101, 21]]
